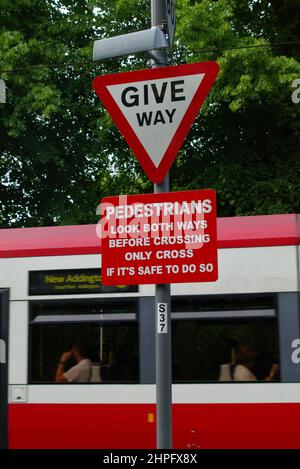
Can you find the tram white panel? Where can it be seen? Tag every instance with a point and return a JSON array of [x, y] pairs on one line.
[[250, 270], [91, 394], [14, 271], [242, 270], [182, 393], [237, 393], [14, 274], [18, 342]]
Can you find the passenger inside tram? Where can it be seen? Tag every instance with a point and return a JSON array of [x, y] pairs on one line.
[[82, 372], [244, 367]]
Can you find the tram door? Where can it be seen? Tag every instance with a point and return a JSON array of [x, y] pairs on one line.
[[4, 301]]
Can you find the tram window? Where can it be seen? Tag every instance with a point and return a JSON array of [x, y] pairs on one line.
[[259, 302], [200, 347], [114, 342]]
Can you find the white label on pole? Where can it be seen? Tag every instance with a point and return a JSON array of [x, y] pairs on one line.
[[162, 324], [155, 108]]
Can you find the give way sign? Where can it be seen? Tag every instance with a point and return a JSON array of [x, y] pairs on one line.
[[154, 109]]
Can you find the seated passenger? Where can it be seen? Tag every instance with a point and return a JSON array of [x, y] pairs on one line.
[[245, 361], [226, 372], [82, 371]]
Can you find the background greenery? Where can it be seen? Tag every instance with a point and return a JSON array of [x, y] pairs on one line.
[[61, 153]]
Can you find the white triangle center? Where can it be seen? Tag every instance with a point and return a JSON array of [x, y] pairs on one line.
[[155, 108]]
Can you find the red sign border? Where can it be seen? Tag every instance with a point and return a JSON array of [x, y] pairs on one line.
[[100, 83], [144, 199]]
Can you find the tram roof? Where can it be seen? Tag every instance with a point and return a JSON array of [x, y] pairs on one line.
[[233, 232]]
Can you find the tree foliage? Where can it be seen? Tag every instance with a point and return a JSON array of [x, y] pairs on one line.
[[245, 142], [58, 146], [60, 152]]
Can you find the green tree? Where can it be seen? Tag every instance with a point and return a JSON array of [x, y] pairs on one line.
[[245, 141], [60, 152]]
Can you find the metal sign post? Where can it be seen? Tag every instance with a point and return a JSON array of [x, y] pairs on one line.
[[175, 96], [162, 302], [170, 20]]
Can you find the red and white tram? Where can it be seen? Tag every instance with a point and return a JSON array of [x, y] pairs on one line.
[[50, 292]]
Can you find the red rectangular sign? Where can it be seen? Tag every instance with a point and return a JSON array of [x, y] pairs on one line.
[[159, 238]]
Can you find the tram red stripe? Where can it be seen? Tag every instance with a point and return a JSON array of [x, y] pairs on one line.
[[233, 232], [131, 425]]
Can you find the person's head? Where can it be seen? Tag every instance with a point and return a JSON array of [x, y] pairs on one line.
[[81, 349], [246, 356]]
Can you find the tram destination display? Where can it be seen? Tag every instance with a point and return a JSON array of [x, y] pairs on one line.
[[71, 281]]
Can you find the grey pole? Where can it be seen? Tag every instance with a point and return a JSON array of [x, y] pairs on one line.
[[162, 301]]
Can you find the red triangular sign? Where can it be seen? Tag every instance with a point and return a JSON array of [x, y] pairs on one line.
[[154, 109]]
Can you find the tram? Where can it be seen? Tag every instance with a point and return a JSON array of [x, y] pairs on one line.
[[51, 292]]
